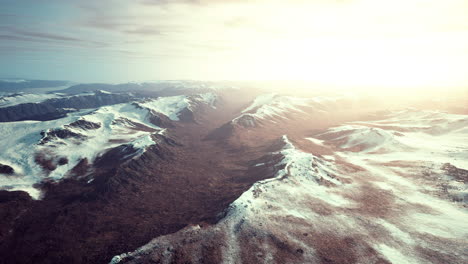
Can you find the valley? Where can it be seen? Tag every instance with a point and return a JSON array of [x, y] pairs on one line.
[[199, 177]]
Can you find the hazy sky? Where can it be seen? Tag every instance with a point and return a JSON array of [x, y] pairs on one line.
[[401, 43]]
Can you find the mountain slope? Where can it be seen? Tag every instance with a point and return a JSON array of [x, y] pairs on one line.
[[353, 206], [111, 204], [52, 149], [314, 180]]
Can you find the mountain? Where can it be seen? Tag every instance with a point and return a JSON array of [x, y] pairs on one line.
[[56, 106], [223, 175], [17, 85], [380, 195], [55, 148], [22, 98], [157, 88]]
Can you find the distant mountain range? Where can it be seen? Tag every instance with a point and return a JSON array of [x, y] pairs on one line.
[[16, 85]]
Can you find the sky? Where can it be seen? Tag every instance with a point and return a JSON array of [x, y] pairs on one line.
[[374, 43]]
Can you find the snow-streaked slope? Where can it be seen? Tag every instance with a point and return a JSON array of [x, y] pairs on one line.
[[108, 127], [354, 208], [304, 179], [273, 105], [22, 98], [172, 106], [22, 143], [434, 141], [363, 138], [407, 135], [120, 124], [429, 122], [18, 147]]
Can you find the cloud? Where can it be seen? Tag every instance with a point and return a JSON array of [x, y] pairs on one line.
[[149, 24], [49, 36], [45, 37], [14, 38], [143, 31], [126, 25], [4, 15], [194, 2], [106, 23]]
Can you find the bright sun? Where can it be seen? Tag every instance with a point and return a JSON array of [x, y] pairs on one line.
[[361, 43]]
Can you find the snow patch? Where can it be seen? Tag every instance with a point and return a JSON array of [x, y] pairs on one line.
[[126, 123], [172, 106], [395, 256], [23, 98], [315, 141], [273, 105]]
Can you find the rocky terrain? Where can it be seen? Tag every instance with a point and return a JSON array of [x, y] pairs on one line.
[[205, 174], [56, 107]]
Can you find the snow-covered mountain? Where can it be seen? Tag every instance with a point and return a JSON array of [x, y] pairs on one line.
[[356, 206], [52, 149], [206, 175], [275, 108], [23, 98]]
